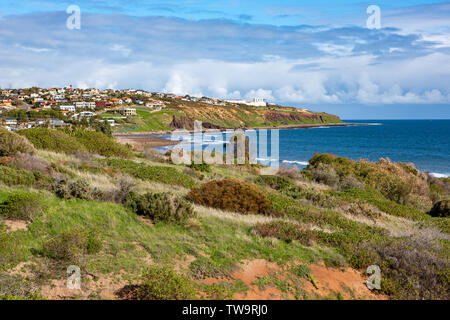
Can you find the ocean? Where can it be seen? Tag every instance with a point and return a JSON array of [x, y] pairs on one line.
[[426, 143]]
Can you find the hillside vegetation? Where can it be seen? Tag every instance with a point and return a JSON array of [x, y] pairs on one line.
[[140, 227], [181, 114]]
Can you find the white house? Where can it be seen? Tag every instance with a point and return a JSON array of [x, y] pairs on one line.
[[257, 102], [83, 104], [67, 108]]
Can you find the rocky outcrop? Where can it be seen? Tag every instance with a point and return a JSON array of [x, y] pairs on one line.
[[183, 122], [288, 117]]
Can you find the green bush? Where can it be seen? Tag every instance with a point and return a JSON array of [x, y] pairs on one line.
[[286, 231], [12, 176], [302, 270], [70, 246], [12, 143], [275, 182], [163, 283], [100, 143], [22, 206], [53, 140], [141, 171], [79, 189], [232, 195], [163, 207], [75, 141], [202, 167]]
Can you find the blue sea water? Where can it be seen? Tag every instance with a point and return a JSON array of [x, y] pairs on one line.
[[426, 143]]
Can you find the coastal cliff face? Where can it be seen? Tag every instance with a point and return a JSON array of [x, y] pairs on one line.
[[181, 115]]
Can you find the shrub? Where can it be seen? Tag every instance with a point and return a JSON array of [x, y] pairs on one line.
[[164, 207], [163, 283], [275, 182], [12, 176], [324, 174], [350, 182], [285, 231], [53, 140], [22, 206], [75, 141], [289, 172], [79, 189], [100, 143], [154, 155], [202, 167], [71, 245], [12, 143], [302, 270], [141, 171], [233, 195], [32, 163]]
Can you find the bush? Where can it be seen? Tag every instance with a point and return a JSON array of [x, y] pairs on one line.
[[325, 174], [275, 182], [232, 195], [53, 140], [79, 189], [286, 231], [75, 141], [69, 246], [12, 143], [302, 270], [163, 207], [100, 143], [141, 171], [13, 177], [350, 182], [202, 167], [22, 206], [163, 283], [290, 172]]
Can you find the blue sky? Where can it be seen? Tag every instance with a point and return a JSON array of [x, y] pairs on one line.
[[314, 54]]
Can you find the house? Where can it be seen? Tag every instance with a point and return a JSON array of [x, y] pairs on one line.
[[84, 105], [67, 108], [115, 101], [127, 111], [127, 100], [56, 123], [257, 102], [85, 114], [101, 104], [9, 121]]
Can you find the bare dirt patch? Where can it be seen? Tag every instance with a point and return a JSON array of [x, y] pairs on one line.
[[104, 288], [14, 225], [350, 283]]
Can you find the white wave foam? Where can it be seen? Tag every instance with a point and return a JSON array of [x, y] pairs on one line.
[[439, 175], [302, 163]]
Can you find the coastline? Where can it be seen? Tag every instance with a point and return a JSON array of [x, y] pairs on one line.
[[294, 126]]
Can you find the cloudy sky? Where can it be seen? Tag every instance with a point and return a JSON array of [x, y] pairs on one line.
[[314, 54]]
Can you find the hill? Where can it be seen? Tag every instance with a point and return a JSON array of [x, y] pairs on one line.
[[181, 114], [140, 227]]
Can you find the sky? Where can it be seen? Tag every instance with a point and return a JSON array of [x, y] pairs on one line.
[[320, 55]]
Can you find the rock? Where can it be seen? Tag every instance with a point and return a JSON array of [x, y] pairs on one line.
[[441, 209]]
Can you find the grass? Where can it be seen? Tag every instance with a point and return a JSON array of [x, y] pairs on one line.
[[163, 174]]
